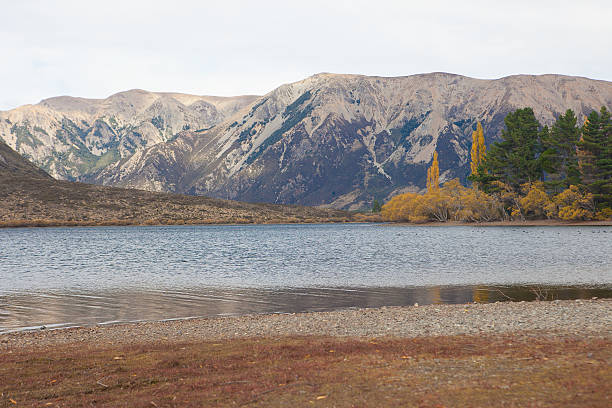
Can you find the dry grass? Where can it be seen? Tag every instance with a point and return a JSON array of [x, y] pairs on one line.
[[368, 217], [503, 370], [27, 201]]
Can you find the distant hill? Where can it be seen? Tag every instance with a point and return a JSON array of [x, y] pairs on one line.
[[345, 140], [30, 197], [73, 137]]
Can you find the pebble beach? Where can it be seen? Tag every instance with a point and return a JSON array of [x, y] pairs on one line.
[[568, 317]]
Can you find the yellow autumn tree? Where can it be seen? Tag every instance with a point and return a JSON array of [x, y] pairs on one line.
[[479, 149], [575, 204], [535, 203], [476, 206], [397, 208], [450, 202], [406, 207], [482, 148], [433, 174]]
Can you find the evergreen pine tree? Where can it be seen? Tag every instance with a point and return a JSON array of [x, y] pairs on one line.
[[560, 159], [516, 158], [376, 207], [596, 156]]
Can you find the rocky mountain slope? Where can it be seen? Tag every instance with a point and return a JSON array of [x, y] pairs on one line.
[[30, 197], [12, 164], [73, 137], [344, 140]]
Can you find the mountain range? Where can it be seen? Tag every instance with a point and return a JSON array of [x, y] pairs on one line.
[[329, 140], [73, 137]]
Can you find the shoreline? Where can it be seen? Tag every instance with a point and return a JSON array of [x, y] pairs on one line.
[[560, 316], [154, 223], [55, 224], [517, 223]]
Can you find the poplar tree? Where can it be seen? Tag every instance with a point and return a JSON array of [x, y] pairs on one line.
[[479, 149], [482, 148], [478, 155], [433, 174], [474, 154]]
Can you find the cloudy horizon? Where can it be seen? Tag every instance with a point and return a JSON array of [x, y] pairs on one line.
[[94, 50]]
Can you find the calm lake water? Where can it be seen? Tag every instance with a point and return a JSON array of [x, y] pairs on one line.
[[73, 276]]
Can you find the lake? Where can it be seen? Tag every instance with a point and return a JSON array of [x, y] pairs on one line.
[[60, 277]]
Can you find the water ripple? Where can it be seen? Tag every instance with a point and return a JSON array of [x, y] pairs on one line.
[[90, 275]]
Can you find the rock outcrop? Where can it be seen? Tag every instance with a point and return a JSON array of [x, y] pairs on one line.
[[12, 164]]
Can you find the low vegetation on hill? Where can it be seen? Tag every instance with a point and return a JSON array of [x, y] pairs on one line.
[[30, 197], [534, 172], [37, 202]]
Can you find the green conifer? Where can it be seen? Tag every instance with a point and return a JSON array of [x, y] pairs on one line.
[[596, 156], [376, 207], [516, 158], [560, 159]]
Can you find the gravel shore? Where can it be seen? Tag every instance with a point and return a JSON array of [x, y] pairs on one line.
[[575, 317]]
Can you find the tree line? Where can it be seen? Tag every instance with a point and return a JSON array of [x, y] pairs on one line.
[[533, 172]]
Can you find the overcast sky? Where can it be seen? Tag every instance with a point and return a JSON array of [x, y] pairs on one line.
[[96, 48]]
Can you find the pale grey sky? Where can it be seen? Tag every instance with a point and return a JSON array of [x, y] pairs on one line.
[[96, 48]]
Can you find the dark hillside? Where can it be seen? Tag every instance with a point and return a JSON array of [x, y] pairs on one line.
[[30, 197]]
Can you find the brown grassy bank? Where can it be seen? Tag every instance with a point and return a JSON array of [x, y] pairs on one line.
[[27, 201], [527, 370]]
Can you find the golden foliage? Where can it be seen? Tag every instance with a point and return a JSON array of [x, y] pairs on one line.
[[404, 207], [451, 202], [454, 202], [474, 153], [604, 215], [575, 205], [482, 149], [433, 174], [479, 150], [458, 203], [535, 203]]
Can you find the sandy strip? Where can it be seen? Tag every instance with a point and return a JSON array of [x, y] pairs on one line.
[[570, 317]]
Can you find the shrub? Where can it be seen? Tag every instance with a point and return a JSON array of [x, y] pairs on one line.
[[604, 214], [536, 203], [451, 202], [575, 204]]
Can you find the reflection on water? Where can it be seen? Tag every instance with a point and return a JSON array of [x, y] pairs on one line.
[[32, 310], [64, 276]]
